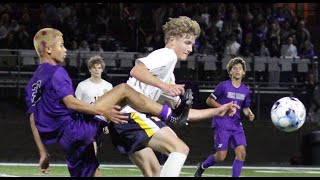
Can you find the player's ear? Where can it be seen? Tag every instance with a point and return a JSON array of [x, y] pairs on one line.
[[171, 40], [48, 50]]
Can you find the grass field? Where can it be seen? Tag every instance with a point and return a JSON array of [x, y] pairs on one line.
[[60, 170]]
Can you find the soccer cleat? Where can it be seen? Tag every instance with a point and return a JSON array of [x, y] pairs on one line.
[[180, 114], [199, 171]]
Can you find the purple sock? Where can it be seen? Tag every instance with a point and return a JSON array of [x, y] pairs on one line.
[[209, 162], [166, 112], [237, 168]]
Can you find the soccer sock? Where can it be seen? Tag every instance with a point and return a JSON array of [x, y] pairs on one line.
[[172, 167], [166, 112], [209, 162], [237, 168]]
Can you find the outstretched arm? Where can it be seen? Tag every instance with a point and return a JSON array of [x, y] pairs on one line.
[[44, 159], [201, 114], [111, 111]]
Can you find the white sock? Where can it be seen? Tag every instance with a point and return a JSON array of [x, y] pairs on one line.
[[172, 167]]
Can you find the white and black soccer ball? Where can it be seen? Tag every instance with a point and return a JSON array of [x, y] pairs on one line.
[[288, 114]]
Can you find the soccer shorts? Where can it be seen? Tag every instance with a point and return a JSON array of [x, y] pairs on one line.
[[228, 138], [76, 142], [128, 138]]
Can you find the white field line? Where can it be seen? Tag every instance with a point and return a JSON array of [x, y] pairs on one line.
[[264, 169], [187, 166], [7, 175]]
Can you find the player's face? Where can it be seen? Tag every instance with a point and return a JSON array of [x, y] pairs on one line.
[[96, 71], [183, 46], [58, 51], [237, 71]]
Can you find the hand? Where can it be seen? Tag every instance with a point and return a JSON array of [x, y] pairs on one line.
[[233, 109], [174, 89], [115, 116], [44, 164], [228, 108], [251, 116]]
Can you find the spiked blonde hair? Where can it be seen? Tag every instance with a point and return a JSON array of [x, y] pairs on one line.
[[45, 37]]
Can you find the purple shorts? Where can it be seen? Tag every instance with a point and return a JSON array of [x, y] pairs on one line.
[[76, 142], [223, 139]]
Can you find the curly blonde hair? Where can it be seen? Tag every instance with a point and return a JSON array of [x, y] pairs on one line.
[[96, 60], [177, 27], [234, 61]]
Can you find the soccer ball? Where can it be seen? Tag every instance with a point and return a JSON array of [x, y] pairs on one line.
[[288, 114]]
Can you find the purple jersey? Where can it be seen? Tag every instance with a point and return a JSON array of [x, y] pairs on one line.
[[224, 93], [44, 94]]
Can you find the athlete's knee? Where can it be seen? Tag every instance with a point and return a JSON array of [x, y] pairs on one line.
[[180, 147], [122, 88], [183, 148], [186, 149], [240, 153], [220, 156]]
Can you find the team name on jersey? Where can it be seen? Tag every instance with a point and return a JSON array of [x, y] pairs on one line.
[[233, 95]]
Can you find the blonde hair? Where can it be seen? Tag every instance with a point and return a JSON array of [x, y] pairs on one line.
[[96, 60], [235, 61], [45, 37], [177, 27]]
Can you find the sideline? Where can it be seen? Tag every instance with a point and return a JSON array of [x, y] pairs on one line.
[[187, 166]]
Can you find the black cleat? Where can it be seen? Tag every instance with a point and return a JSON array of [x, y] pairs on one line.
[[199, 170], [180, 114]]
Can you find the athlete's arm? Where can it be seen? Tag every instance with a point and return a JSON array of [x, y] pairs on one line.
[[44, 159], [113, 114], [141, 72]]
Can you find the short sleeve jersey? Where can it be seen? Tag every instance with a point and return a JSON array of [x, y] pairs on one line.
[[161, 64], [224, 93], [89, 92], [44, 97]]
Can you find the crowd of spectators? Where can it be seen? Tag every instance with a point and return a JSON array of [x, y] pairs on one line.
[[227, 29], [257, 29]]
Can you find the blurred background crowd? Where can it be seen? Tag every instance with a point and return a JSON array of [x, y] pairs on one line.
[[263, 29]]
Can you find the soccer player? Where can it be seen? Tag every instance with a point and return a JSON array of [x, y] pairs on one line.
[[228, 131], [153, 76], [56, 116], [90, 89]]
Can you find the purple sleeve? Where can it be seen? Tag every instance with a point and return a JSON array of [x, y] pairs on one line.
[[30, 108], [62, 83], [217, 92], [247, 100]]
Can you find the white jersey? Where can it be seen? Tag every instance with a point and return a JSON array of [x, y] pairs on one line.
[[89, 91], [160, 63]]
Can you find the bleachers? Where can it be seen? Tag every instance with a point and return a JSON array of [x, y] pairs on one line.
[[17, 66]]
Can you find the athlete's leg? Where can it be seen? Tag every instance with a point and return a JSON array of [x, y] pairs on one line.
[[167, 142], [147, 162], [124, 94]]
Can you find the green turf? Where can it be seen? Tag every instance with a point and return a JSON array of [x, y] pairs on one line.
[[132, 171]]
